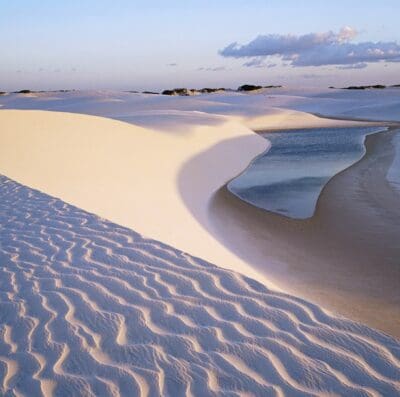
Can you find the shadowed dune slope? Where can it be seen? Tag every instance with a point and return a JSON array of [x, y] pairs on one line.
[[91, 308]]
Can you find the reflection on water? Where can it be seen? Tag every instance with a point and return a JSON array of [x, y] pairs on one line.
[[289, 177]]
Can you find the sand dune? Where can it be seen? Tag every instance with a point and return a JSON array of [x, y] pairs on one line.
[[117, 170], [92, 308], [150, 110], [129, 174], [89, 307]]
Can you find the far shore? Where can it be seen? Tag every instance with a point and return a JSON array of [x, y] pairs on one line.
[[345, 257]]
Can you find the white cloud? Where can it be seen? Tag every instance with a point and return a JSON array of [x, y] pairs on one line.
[[259, 63], [347, 33], [315, 49]]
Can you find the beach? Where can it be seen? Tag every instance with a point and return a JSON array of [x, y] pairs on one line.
[[193, 154], [124, 251], [345, 252]]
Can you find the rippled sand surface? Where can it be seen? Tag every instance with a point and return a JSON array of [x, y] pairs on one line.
[[91, 308]]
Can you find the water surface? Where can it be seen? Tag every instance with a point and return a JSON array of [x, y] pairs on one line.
[[289, 177]]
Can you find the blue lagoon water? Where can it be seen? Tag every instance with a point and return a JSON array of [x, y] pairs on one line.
[[289, 177]]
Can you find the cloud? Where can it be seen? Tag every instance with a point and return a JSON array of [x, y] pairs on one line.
[[313, 76], [213, 69], [360, 65], [259, 63], [315, 49]]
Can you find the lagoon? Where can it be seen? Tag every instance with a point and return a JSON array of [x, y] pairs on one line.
[[288, 178]]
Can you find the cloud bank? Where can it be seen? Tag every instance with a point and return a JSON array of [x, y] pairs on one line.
[[315, 49]]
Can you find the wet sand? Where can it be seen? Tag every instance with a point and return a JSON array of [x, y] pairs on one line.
[[346, 257]]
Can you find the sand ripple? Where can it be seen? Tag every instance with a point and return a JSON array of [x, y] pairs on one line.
[[88, 308]]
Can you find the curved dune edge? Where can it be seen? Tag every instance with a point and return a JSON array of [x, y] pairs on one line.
[[89, 307], [132, 175], [126, 173], [280, 119]]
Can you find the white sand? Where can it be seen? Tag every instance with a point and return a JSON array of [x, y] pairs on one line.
[[158, 181], [89, 308], [128, 174], [148, 179]]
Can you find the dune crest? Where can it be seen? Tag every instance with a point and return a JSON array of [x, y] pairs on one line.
[[92, 308]]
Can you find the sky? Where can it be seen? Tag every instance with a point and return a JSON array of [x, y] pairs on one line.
[[159, 44]]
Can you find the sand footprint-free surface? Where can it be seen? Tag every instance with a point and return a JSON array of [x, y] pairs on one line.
[[89, 308]]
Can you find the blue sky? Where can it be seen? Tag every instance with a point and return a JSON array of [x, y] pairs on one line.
[[117, 44]]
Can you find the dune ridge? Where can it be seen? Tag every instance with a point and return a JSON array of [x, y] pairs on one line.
[[92, 308], [117, 169]]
